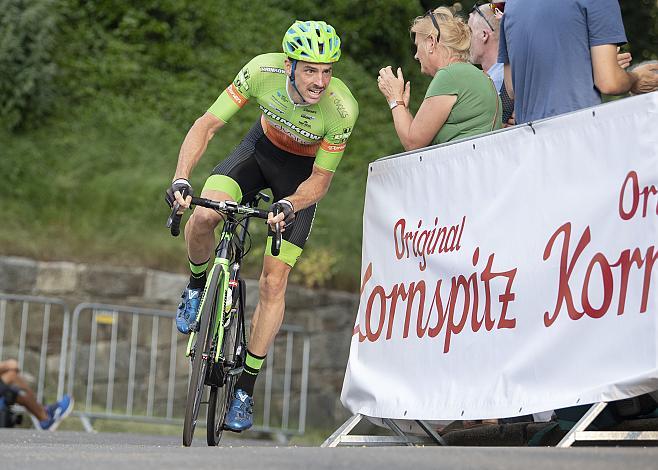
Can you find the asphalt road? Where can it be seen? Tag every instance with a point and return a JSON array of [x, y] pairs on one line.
[[28, 449]]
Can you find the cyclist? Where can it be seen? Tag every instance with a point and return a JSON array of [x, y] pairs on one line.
[[293, 149]]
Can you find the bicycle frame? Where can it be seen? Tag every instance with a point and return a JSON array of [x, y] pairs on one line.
[[228, 278]]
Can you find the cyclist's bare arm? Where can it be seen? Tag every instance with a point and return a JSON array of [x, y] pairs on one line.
[[194, 145], [312, 190]]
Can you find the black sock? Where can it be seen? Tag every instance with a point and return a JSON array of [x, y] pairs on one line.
[[198, 274], [247, 379]]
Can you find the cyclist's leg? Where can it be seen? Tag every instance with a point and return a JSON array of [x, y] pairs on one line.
[[284, 172], [273, 282], [236, 178], [268, 316]]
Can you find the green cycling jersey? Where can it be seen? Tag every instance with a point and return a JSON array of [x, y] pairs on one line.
[[319, 130]]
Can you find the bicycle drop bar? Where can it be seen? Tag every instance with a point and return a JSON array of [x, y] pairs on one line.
[[227, 207], [276, 242]]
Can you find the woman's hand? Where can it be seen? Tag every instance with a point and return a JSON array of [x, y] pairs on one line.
[[393, 87]]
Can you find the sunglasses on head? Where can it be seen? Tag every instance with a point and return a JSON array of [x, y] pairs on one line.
[[497, 8], [430, 13]]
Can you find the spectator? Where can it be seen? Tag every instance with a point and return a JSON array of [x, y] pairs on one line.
[[461, 100], [484, 22], [49, 416], [485, 31], [561, 55]]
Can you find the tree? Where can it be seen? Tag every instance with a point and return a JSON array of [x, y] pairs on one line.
[[27, 41]]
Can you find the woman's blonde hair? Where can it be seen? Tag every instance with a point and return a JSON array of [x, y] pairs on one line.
[[455, 33]]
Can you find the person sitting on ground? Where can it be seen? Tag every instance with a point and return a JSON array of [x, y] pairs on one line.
[[49, 416], [461, 100]]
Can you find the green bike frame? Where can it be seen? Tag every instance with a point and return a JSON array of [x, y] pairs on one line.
[[221, 263]]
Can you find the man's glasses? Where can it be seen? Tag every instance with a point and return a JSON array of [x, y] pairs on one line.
[[430, 13], [496, 8]]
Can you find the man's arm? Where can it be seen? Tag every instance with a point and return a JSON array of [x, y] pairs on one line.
[[611, 79], [193, 147], [312, 190], [195, 143], [508, 80]]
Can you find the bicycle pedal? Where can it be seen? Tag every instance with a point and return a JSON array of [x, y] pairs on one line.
[[195, 326]]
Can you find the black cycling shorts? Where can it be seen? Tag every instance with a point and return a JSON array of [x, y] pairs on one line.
[[257, 164]]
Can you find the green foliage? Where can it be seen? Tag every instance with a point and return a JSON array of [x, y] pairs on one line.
[[27, 41], [122, 82], [641, 24], [131, 81]]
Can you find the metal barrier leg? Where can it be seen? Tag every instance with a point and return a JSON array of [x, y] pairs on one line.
[[334, 439], [396, 429], [431, 432], [581, 425], [86, 423]]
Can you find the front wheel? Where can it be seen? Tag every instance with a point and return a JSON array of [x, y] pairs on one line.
[[218, 403], [220, 397], [200, 363]]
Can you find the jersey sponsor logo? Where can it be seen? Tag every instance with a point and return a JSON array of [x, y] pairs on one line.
[[272, 105], [289, 134], [281, 100], [332, 148], [339, 138], [275, 117], [242, 80], [272, 70], [308, 117], [236, 96], [340, 107]]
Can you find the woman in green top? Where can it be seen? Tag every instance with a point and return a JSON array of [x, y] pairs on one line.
[[460, 102]]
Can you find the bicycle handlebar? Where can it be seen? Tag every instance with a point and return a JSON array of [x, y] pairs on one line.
[[173, 222], [228, 207], [276, 242]]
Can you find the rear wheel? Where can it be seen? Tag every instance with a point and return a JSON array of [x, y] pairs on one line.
[[220, 397], [200, 361]]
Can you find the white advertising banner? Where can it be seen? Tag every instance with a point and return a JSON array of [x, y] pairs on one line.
[[513, 273]]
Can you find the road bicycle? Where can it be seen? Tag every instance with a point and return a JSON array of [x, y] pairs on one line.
[[217, 345]]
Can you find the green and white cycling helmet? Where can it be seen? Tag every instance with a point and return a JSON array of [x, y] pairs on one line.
[[312, 41]]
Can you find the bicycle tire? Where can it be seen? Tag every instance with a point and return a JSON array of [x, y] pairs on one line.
[[199, 365], [220, 397]]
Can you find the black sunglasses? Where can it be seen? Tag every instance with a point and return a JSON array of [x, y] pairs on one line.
[[430, 13], [476, 9]]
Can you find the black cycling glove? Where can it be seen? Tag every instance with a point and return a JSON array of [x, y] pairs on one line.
[[288, 210], [181, 185]]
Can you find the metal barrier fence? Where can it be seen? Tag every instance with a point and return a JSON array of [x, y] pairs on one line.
[[129, 364], [35, 332]]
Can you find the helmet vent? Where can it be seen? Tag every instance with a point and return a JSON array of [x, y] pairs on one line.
[[312, 41]]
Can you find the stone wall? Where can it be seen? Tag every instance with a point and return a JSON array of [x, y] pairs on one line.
[[328, 316]]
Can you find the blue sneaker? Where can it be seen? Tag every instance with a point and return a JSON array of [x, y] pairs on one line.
[[56, 413], [188, 309], [240, 415]]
